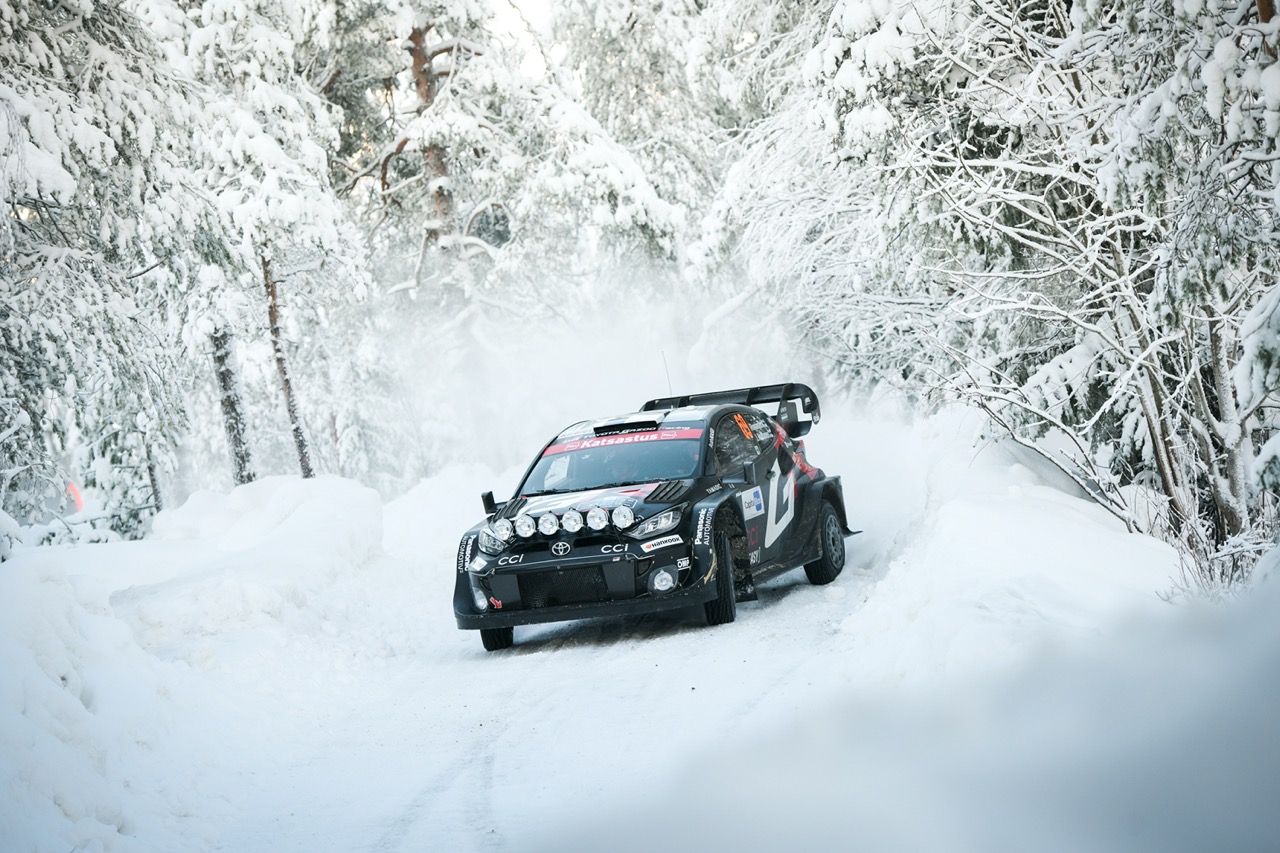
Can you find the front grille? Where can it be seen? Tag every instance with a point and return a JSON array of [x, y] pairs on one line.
[[563, 586]]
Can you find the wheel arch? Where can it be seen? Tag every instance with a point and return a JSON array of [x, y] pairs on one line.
[[831, 490], [706, 514]]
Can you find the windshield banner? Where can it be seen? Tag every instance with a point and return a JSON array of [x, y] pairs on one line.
[[626, 438]]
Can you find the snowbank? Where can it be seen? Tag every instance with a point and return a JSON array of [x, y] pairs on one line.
[[1162, 740], [104, 726]]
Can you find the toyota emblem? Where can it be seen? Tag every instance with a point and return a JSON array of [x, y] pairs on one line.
[[560, 549]]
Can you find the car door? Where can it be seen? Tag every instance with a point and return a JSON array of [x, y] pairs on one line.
[[777, 479], [743, 440]]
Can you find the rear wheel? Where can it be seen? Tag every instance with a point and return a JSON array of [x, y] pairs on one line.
[[724, 607], [497, 638], [830, 547]]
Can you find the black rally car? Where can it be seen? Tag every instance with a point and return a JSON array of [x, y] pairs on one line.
[[692, 500]]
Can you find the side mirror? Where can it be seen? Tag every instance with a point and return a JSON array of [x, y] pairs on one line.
[[489, 506], [749, 473]]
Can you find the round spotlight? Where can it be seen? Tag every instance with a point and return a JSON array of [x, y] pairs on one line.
[[571, 521], [548, 524], [502, 529], [525, 526], [663, 581], [623, 517], [597, 519]]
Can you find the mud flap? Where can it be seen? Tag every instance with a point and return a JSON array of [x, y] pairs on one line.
[[744, 588]]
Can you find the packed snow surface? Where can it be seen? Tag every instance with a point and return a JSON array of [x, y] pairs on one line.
[[278, 669]]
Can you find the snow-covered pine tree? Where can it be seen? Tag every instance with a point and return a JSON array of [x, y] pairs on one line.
[[90, 155], [481, 190], [644, 70], [262, 137], [831, 197], [476, 180]]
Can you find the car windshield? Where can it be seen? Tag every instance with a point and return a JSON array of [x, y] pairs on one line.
[[614, 461]]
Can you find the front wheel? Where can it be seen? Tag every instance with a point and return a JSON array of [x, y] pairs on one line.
[[724, 607], [830, 560], [497, 638]]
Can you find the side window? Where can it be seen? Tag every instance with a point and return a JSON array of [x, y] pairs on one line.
[[770, 435], [735, 444], [765, 437]]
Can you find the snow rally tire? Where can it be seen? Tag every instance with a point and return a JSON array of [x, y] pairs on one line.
[[830, 560], [724, 607], [495, 639]]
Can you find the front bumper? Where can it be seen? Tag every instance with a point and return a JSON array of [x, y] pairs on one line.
[[566, 612], [561, 590]]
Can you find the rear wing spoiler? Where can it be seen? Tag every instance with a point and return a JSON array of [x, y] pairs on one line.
[[784, 395]]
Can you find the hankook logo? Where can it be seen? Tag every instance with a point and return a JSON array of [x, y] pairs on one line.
[[560, 548]]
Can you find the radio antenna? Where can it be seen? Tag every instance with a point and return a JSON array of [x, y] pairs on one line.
[[668, 372]]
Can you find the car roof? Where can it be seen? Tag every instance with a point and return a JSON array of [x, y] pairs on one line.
[[685, 416]]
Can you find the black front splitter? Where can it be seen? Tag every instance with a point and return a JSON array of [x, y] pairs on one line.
[[686, 597]]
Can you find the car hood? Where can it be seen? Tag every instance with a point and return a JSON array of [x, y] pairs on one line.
[[642, 497], [607, 498]]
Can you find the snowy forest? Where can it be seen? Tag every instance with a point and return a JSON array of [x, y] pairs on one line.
[[251, 237]]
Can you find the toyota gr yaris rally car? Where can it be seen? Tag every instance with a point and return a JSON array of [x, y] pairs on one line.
[[690, 501]]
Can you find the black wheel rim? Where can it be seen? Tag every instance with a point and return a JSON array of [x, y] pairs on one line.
[[833, 540]]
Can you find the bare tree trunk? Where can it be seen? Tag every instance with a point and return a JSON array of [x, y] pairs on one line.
[[233, 417], [427, 83], [153, 475], [1230, 478], [433, 156], [282, 368]]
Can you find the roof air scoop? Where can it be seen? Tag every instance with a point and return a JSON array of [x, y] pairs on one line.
[[626, 426]]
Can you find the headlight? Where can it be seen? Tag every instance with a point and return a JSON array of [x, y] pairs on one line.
[[623, 517], [571, 521], [491, 543], [524, 526], [660, 523], [548, 524], [597, 519]]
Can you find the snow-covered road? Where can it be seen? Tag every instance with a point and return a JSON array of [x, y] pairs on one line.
[[277, 669]]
